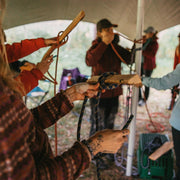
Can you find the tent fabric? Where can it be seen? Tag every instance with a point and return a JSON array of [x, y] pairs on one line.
[[161, 14]]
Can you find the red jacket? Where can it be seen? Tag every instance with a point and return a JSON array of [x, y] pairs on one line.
[[149, 54], [102, 58], [177, 56], [19, 50]]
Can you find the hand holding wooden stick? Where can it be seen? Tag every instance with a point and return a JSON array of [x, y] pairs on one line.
[[76, 20], [131, 79]]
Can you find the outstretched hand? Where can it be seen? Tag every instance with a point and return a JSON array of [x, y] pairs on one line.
[[108, 140], [80, 90]]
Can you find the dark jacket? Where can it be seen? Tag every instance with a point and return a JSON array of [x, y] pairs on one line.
[[102, 58], [149, 55]]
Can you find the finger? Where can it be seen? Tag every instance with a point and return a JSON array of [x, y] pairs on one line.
[[125, 132], [49, 59], [122, 132], [95, 87], [91, 94]]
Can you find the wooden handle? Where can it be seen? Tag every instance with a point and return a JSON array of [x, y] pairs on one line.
[[161, 150], [76, 20], [119, 79]]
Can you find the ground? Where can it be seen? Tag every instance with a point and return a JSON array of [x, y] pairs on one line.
[[157, 105]]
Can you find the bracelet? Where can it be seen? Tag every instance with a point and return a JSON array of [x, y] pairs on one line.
[[88, 146]]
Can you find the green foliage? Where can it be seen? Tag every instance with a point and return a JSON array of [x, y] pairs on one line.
[[168, 41]]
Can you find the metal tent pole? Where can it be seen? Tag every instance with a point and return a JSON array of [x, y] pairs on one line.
[[131, 141]]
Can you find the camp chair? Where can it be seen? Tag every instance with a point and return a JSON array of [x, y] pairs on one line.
[[70, 77], [37, 95]]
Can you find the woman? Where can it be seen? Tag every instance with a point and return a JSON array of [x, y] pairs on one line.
[[167, 82], [25, 152]]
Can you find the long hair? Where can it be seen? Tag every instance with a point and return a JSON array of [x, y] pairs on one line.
[[6, 74]]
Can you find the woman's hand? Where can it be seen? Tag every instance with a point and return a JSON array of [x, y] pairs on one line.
[[43, 66], [80, 90], [107, 141]]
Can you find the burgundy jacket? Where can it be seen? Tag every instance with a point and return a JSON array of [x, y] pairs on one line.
[[102, 58], [149, 54]]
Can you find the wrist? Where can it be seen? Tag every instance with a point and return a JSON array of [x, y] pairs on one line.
[[86, 144], [95, 147]]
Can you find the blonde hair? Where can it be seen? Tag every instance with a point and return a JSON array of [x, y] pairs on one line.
[[5, 73]]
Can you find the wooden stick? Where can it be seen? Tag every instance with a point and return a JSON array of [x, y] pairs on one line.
[[162, 150], [131, 79], [76, 20]]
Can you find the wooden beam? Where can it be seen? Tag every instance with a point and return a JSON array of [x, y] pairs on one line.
[[130, 79], [161, 150]]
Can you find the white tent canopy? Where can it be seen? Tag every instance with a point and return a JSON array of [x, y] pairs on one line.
[[161, 14]]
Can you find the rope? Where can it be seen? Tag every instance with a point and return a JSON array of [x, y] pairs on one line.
[[102, 85], [140, 41], [157, 126], [118, 55], [80, 118], [54, 79]]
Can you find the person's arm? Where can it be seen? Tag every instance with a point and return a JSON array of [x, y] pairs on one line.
[[151, 50], [17, 135], [29, 79], [24, 48], [176, 58], [52, 110], [79, 156], [95, 53], [166, 82]]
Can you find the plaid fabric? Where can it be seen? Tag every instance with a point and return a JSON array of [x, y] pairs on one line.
[[25, 152]]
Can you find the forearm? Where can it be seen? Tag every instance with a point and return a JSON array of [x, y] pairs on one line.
[[29, 79], [166, 82], [52, 110], [24, 48], [67, 166]]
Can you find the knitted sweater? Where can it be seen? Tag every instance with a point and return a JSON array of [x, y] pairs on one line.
[[25, 152]]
